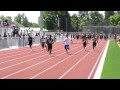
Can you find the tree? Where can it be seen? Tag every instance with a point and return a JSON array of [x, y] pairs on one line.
[[22, 19], [107, 16], [9, 18], [74, 22], [30, 24], [18, 19], [82, 14], [25, 22], [115, 20], [1, 17], [51, 18], [35, 25], [83, 18], [95, 18], [65, 21]]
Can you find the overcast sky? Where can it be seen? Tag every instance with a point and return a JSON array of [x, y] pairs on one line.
[[31, 15]]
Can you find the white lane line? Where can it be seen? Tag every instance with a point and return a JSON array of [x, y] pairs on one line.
[[55, 64], [20, 49], [25, 61], [25, 56], [34, 65], [18, 54], [97, 61], [15, 54], [100, 66], [75, 65]]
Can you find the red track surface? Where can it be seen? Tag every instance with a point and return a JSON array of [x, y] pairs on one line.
[[78, 64]]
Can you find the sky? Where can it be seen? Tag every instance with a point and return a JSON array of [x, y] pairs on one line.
[[31, 15]]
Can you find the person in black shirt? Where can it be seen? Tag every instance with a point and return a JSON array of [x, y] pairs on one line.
[[94, 43], [30, 40], [49, 43]]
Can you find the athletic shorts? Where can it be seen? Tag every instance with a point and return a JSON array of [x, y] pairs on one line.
[[66, 47], [84, 44], [94, 44], [49, 46], [30, 43], [43, 44]]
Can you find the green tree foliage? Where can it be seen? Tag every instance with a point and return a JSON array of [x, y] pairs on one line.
[[36, 25], [83, 18], [9, 18], [51, 20], [95, 18], [18, 18], [1, 17], [22, 19], [107, 16], [74, 22], [82, 14], [115, 20]]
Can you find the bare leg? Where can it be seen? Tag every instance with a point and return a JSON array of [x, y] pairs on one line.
[[66, 50]]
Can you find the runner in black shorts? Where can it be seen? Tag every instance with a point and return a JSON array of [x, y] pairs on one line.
[[30, 40], [49, 43], [94, 43], [84, 42]]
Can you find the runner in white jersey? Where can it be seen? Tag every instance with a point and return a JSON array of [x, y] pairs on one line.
[[67, 43], [42, 41]]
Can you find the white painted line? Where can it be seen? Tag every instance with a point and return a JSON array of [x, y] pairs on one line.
[[97, 61], [15, 54], [100, 66], [19, 54], [55, 64], [33, 65], [25, 56], [17, 47], [75, 64], [25, 61]]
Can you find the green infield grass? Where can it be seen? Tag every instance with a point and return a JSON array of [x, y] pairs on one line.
[[111, 67]]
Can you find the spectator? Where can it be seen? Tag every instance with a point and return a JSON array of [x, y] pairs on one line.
[[5, 35]]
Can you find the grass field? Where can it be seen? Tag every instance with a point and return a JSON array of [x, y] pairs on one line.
[[111, 68]]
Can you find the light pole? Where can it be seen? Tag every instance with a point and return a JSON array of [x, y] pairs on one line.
[[66, 24], [58, 23], [41, 23], [58, 26]]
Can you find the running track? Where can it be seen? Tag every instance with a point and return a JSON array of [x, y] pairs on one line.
[[38, 64]]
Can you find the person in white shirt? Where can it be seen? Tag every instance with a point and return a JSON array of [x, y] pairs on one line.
[[67, 43], [42, 41]]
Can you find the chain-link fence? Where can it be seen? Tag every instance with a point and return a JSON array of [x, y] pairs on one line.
[[101, 29]]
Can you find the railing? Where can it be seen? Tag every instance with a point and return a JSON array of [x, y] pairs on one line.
[[9, 42]]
